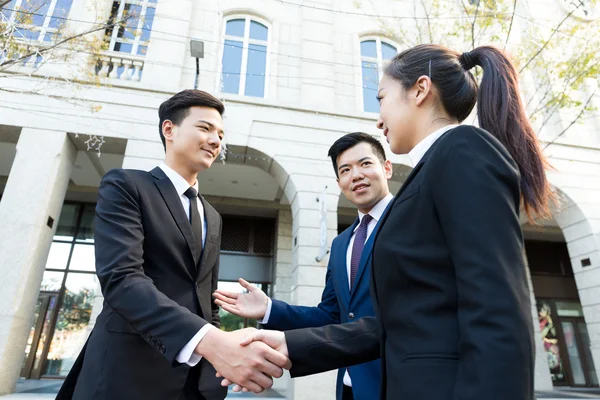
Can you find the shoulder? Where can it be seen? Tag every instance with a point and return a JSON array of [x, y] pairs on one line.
[[473, 144], [126, 174]]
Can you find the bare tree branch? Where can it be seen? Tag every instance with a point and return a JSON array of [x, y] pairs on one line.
[[428, 21], [547, 41], [4, 2], [587, 103], [512, 18]]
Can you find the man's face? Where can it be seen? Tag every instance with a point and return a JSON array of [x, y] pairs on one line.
[[362, 177], [196, 141]]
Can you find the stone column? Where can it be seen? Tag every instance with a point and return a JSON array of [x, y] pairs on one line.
[[308, 275], [33, 197]]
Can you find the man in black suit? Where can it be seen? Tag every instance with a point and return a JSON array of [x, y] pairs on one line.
[[157, 258]]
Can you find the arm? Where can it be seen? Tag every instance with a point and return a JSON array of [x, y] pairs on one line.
[[477, 197], [119, 239], [314, 350]]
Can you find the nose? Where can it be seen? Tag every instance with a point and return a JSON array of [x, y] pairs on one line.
[[379, 123], [213, 140], [357, 175]]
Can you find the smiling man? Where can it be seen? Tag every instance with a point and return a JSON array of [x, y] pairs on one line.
[[362, 173], [157, 246]]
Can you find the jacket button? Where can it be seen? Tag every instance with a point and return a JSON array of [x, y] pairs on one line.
[[163, 349], [351, 315], [197, 285]]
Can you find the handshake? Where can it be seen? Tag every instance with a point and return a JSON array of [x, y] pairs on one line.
[[248, 358]]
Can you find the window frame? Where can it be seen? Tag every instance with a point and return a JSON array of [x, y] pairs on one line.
[[41, 29], [245, 47], [135, 43], [379, 61]]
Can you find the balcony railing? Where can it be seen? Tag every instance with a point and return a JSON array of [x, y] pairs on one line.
[[120, 66]]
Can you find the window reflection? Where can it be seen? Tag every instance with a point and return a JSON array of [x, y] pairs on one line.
[[550, 340], [71, 331], [231, 322], [83, 258]]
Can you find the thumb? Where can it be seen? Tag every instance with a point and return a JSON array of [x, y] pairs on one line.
[[247, 285], [251, 337]]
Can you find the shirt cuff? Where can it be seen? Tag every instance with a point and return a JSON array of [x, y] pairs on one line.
[[265, 319], [187, 354]]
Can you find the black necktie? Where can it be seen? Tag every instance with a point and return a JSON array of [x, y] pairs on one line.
[[195, 220]]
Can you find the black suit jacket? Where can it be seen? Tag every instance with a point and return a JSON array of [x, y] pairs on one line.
[[453, 317], [157, 296]]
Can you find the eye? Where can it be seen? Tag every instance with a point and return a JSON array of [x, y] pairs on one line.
[[204, 128], [367, 163], [379, 99], [344, 171]]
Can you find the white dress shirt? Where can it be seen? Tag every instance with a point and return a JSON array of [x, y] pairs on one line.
[[421, 148], [187, 355], [376, 212]]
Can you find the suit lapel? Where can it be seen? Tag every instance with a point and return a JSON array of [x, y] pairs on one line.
[[169, 195], [210, 248], [366, 254], [342, 273], [385, 215]]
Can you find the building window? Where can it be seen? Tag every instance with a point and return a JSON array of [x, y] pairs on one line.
[[38, 20], [373, 54], [244, 66], [67, 293], [248, 235], [132, 35]]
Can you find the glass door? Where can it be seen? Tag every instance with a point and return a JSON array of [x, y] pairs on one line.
[[39, 335], [577, 345]]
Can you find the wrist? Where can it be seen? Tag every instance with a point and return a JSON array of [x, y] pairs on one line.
[[209, 342]]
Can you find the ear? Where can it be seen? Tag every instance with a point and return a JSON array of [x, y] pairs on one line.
[[388, 168], [423, 88], [168, 130]]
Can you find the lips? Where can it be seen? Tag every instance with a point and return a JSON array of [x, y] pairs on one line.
[[359, 187], [209, 152], [385, 132]]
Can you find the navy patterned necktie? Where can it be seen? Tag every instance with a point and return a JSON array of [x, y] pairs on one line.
[[357, 248]]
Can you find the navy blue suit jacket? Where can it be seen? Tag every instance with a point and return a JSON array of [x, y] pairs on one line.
[[338, 305]]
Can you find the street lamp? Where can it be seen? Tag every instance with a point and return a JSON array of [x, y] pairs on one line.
[[197, 51]]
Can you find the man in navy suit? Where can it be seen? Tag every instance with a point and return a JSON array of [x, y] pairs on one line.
[[362, 173]]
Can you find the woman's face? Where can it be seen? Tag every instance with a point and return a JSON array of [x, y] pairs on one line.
[[397, 115]]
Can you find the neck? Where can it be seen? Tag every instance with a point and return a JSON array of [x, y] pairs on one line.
[[181, 169], [366, 210], [433, 124]]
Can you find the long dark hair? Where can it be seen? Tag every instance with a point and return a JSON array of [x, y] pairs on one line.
[[499, 107]]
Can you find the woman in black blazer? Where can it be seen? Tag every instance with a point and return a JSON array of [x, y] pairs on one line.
[[454, 319]]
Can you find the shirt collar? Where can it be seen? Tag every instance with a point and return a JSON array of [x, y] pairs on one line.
[[417, 153], [181, 185], [377, 211]]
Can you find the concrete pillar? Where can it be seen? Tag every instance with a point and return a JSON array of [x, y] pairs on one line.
[[283, 256], [543, 380], [34, 193], [308, 275], [283, 276]]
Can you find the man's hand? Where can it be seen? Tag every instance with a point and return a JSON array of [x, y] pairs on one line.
[[247, 305], [274, 339], [251, 365]]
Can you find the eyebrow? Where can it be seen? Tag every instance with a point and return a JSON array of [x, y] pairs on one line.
[[360, 160], [210, 125]]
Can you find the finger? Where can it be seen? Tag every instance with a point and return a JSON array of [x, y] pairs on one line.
[[260, 379], [278, 359], [220, 376], [231, 309], [245, 390], [238, 388], [224, 298], [247, 285]]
